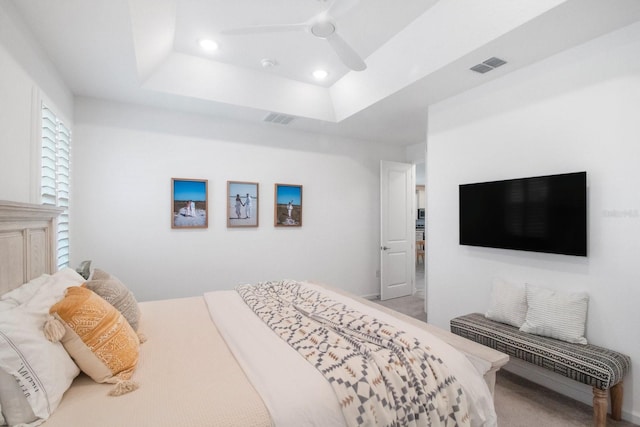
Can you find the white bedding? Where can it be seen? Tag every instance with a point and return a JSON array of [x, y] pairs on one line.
[[287, 382], [187, 376]]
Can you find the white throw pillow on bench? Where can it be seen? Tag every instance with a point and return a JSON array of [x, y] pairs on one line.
[[508, 303], [556, 314]]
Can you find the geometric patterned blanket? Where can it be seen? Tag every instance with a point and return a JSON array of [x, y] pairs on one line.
[[381, 375]]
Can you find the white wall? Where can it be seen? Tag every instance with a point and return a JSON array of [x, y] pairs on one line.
[[125, 157], [26, 78], [579, 110], [416, 154]]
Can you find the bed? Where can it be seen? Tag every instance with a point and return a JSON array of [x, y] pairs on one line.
[[210, 361]]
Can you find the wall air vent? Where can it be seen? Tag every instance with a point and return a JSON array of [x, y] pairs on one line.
[[488, 65], [282, 119]]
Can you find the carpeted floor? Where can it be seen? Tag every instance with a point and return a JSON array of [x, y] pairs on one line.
[[519, 402], [412, 306]]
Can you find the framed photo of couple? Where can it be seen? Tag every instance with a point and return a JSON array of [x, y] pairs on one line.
[[242, 204]]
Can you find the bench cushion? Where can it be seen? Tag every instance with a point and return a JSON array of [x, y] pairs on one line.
[[588, 364]]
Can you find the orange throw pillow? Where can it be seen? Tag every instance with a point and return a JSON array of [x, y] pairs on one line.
[[98, 338]]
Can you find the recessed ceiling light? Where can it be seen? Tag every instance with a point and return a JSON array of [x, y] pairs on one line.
[[208, 45], [320, 74]]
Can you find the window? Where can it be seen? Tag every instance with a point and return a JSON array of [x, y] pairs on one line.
[[54, 184]]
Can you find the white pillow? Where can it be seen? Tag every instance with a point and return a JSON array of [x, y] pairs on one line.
[[43, 370], [7, 305], [15, 406], [52, 290], [508, 303], [24, 351], [48, 288], [556, 314], [25, 291]]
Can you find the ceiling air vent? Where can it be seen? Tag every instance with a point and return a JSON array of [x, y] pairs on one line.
[[282, 119], [481, 68], [488, 65], [494, 62]]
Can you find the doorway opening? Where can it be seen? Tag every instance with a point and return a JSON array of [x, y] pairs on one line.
[[421, 208]]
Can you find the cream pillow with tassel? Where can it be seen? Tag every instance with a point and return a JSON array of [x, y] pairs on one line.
[[97, 337]]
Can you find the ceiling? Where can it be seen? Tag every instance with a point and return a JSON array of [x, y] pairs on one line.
[[146, 52]]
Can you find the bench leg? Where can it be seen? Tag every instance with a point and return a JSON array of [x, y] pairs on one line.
[[600, 405], [617, 393]]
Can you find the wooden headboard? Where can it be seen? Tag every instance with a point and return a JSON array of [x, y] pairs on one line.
[[27, 242]]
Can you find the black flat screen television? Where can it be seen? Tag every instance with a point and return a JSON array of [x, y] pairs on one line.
[[540, 214]]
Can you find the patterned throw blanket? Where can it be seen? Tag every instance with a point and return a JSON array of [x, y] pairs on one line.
[[382, 376]]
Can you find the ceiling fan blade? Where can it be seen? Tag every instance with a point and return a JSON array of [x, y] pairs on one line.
[[349, 57], [257, 29], [341, 7]]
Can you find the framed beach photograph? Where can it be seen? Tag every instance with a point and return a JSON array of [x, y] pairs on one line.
[[288, 205], [242, 204], [189, 203]]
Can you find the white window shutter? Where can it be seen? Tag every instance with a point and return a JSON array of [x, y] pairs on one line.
[[55, 176]]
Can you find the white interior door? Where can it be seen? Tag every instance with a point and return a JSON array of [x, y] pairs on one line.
[[397, 229]]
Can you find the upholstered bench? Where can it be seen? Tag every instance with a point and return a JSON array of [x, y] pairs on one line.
[[598, 367]]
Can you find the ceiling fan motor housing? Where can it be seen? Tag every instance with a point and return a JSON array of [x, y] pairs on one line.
[[323, 29]]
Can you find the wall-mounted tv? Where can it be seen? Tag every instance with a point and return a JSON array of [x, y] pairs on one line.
[[540, 214]]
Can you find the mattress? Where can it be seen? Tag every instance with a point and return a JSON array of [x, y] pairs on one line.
[[188, 377]]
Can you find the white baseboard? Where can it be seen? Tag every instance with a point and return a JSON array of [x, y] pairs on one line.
[[556, 382]]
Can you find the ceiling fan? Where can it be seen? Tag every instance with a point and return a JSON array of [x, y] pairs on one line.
[[322, 25]]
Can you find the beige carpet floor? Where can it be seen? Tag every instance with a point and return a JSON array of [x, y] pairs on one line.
[[519, 402], [411, 306]]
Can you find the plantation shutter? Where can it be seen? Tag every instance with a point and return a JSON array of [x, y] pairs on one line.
[[55, 168]]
